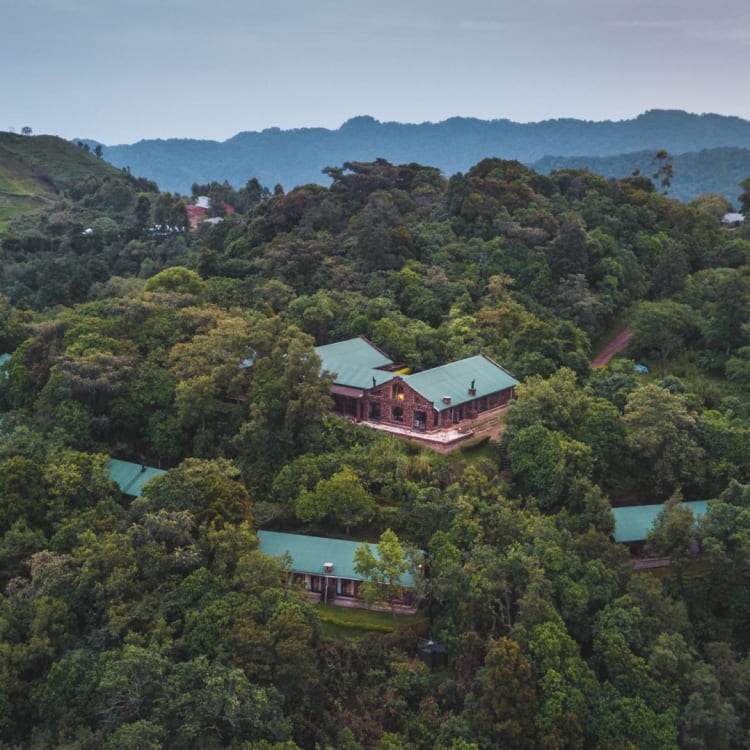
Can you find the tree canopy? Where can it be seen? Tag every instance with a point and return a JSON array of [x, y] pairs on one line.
[[156, 621]]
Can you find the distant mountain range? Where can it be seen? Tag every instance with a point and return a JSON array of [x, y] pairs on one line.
[[711, 153]]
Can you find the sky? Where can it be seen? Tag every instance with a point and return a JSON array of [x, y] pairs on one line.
[[126, 70]]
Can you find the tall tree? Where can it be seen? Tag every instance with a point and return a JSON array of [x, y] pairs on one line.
[[660, 432], [382, 571], [661, 329], [504, 705]]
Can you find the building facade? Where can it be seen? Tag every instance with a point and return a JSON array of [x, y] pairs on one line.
[[368, 386]]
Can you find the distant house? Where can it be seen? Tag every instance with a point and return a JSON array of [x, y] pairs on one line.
[[369, 387], [196, 214], [732, 220], [131, 477], [324, 567]]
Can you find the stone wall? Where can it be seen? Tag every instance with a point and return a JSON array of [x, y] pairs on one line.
[[397, 404]]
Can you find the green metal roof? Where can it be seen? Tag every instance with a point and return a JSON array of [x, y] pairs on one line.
[[358, 377], [310, 553], [455, 379], [131, 477], [355, 362], [632, 524], [358, 350], [4, 358]]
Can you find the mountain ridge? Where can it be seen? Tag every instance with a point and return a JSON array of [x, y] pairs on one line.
[[298, 156]]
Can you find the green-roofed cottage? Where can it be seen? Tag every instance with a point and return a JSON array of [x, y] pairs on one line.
[[366, 387], [131, 477], [633, 523], [324, 567]]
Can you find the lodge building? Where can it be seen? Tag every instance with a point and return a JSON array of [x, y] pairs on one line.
[[369, 386], [326, 568]]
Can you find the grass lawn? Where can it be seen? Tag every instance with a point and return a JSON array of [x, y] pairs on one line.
[[346, 622], [485, 450]]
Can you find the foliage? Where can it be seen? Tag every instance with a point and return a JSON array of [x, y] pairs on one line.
[[382, 572], [157, 621]]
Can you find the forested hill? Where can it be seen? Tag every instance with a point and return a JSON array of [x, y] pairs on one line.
[[33, 171], [158, 622], [296, 157]]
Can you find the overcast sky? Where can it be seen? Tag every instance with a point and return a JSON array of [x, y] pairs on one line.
[[122, 71]]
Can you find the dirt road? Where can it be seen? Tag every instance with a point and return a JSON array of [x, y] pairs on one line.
[[615, 346]]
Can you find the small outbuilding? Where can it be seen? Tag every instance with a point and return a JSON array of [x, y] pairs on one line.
[[633, 523], [130, 477], [325, 567]]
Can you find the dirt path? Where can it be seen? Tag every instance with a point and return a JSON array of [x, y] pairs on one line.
[[615, 346]]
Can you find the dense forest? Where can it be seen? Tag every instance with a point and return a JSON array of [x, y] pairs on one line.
[[158, 622]]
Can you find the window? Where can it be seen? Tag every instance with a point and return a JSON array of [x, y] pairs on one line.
[[420, 420], [397, 413], [397, 392], [374, 412]]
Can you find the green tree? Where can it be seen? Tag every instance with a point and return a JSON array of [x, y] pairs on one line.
[[206, 700], [726, 309], [288, 401], [211, 490], [547, 465], [382, 571], [661, 329], [557, 402], [708, 719], [176, 279], [142, 211], [603, 430], [23, 493], [342, 498], [567, 687], [744, 197], [504, 703], [196, 400], [664, 169], [673, 534], [130, 684], [725, 537], [660, 433]]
